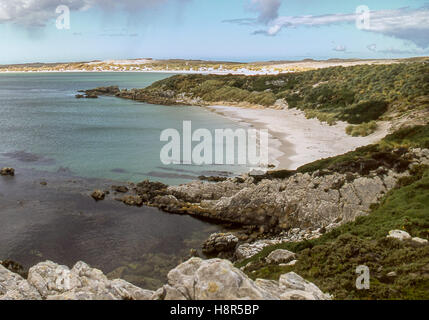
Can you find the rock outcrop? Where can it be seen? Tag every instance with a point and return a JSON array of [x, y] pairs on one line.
[[217, 279], [308, 201], [280, 256], [55, 282], [15, 287], [247, 250], [220, 243], [404, 236], [195, 279]]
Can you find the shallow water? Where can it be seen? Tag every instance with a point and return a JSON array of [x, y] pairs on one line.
[[43, 126], [62, 223], [77, 146]]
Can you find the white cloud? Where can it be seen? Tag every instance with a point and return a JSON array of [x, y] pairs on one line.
[[372, 47], [268, 9], [39, 12], [405, 23], [340, 48]]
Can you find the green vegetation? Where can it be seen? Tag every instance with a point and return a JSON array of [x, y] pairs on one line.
[[330, 261], [388, 153], [362, 130], [358, 94]]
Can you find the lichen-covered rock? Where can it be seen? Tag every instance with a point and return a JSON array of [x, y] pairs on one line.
[[399, 235], [218, 279], [56, 282], [220, 243], [280, 256], [15, 287], [295, 287]]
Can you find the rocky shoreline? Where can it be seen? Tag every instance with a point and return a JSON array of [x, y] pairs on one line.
[[195, 279], [279, 207]]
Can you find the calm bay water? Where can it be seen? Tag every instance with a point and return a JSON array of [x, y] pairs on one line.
[[43, 125], [78, 145]]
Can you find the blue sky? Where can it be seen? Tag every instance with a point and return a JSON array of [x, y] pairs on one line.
[[240, 30]]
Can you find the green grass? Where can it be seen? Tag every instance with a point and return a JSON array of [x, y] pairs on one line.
[[330, 261], [362, 130], [358, 94]]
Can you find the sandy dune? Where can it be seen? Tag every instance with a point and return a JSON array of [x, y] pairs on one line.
[[296, 140]]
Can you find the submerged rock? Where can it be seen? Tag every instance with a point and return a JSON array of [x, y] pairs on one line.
[[98, 195], [120, 189], [7, 172]]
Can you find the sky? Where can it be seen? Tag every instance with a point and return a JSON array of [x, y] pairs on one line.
[[233, 30]]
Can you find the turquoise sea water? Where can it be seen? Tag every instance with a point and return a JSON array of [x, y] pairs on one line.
[[78, 145], [43, 125]]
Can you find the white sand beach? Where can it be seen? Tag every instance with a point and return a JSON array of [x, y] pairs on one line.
[[296, 140]]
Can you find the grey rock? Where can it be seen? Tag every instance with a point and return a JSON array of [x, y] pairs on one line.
[[220, 242], [218, 279], [280, 256], [420, 240], [248, 250], [56, 282], [14, 287], [399, 235]]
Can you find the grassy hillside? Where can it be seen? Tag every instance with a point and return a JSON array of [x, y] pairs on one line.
[[358, 94], [331, 260]]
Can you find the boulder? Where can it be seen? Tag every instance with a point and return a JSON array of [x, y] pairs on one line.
[[220, 243], [56, 282], [420, 240], [98, 195], [7, 172], [399, 235], [218, 279], [280, 256], [15, 287], [294, 287]]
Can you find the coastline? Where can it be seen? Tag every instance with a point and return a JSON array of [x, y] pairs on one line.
[[296, 140]]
